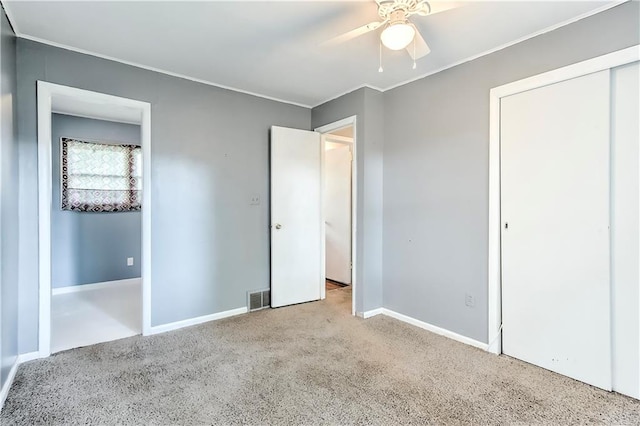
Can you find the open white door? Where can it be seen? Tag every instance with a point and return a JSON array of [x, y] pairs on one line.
[[296, 216]]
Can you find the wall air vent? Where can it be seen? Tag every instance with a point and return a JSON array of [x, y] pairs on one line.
[[257, 300]]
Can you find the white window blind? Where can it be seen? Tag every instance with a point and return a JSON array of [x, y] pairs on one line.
[[98, 177]]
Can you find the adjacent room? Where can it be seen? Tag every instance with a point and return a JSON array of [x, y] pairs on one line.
[[320, 212], [338, 208], [96, 231]]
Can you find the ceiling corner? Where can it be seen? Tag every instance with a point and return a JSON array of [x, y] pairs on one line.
[[10, 18]]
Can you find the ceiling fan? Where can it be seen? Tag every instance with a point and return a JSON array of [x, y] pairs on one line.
[[399, 32]]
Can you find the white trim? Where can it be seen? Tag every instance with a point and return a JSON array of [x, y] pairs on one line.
[[371, 313], [145, 137], [337, 125], [29, 356], [20, 359], [434, 329], [197, 320], [511, 43], [46, 93], [338, 139], [158, 70], [494, 296], [95, 286], [332, 127], [4, 392], [600, 63], [93, 117], [341, 94], [323, 226]]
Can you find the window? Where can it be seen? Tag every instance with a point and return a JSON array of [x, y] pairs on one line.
[[98, 177]]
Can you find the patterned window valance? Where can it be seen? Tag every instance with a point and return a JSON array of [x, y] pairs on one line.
[[98, 177]]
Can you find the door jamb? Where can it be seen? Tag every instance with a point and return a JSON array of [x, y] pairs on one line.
[[46, 94], [328, 128], [611, 60]]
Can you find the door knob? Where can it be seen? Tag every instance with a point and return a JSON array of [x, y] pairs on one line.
[[278, 226]]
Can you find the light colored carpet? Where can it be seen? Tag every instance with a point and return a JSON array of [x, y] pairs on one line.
[[305, 364]]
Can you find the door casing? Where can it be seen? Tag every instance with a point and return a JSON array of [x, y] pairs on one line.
[[129, 111]]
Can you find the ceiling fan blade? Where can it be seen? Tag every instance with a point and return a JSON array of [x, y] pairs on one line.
[[353, 34], [421, 46]]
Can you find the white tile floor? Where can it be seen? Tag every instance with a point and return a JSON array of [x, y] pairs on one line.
[[93, 316]]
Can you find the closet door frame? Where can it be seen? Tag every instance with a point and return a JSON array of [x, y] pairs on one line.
[[611, 60]]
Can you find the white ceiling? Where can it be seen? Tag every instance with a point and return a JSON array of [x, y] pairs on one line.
[[273, 49]]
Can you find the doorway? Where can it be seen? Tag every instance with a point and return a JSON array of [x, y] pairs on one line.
[[69, 101], [96, 231], [345, 131], [297, 214], [337, 206]]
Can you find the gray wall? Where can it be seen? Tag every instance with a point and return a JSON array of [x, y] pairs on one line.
[[367, 105], [209, 156], [8, 201], [420, 249], [436, 165], [91, 247]]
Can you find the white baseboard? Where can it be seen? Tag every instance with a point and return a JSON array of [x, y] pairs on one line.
[[369, 314], [435, 329], [7, 385], [30, 356], [20, 359], [95, 286], [195, 321]]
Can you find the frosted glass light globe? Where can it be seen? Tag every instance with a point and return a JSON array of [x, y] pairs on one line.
[[397, 36]]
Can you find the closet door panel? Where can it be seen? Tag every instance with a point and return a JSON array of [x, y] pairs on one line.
[[555, 177], [625, 252]]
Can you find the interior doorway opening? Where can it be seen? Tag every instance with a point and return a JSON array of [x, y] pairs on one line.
[[297, 215], [96, 231], [337, 200], [56, 99]]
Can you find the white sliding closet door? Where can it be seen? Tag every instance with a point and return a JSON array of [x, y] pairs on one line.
[[625, 250], [555, 178]]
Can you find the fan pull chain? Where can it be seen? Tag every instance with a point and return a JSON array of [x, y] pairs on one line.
[[380, 69], [414, 53]]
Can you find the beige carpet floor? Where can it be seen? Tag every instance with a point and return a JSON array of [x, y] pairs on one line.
[[306, 364]]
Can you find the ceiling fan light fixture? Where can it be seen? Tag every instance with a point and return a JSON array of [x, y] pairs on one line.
[[397, 36]]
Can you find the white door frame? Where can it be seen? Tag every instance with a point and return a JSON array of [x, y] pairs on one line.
[[611, 60], [48, 94], [332, 127]]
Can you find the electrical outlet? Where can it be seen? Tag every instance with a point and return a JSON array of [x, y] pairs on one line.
[[469, 300], [129, 261], [255, 200]]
